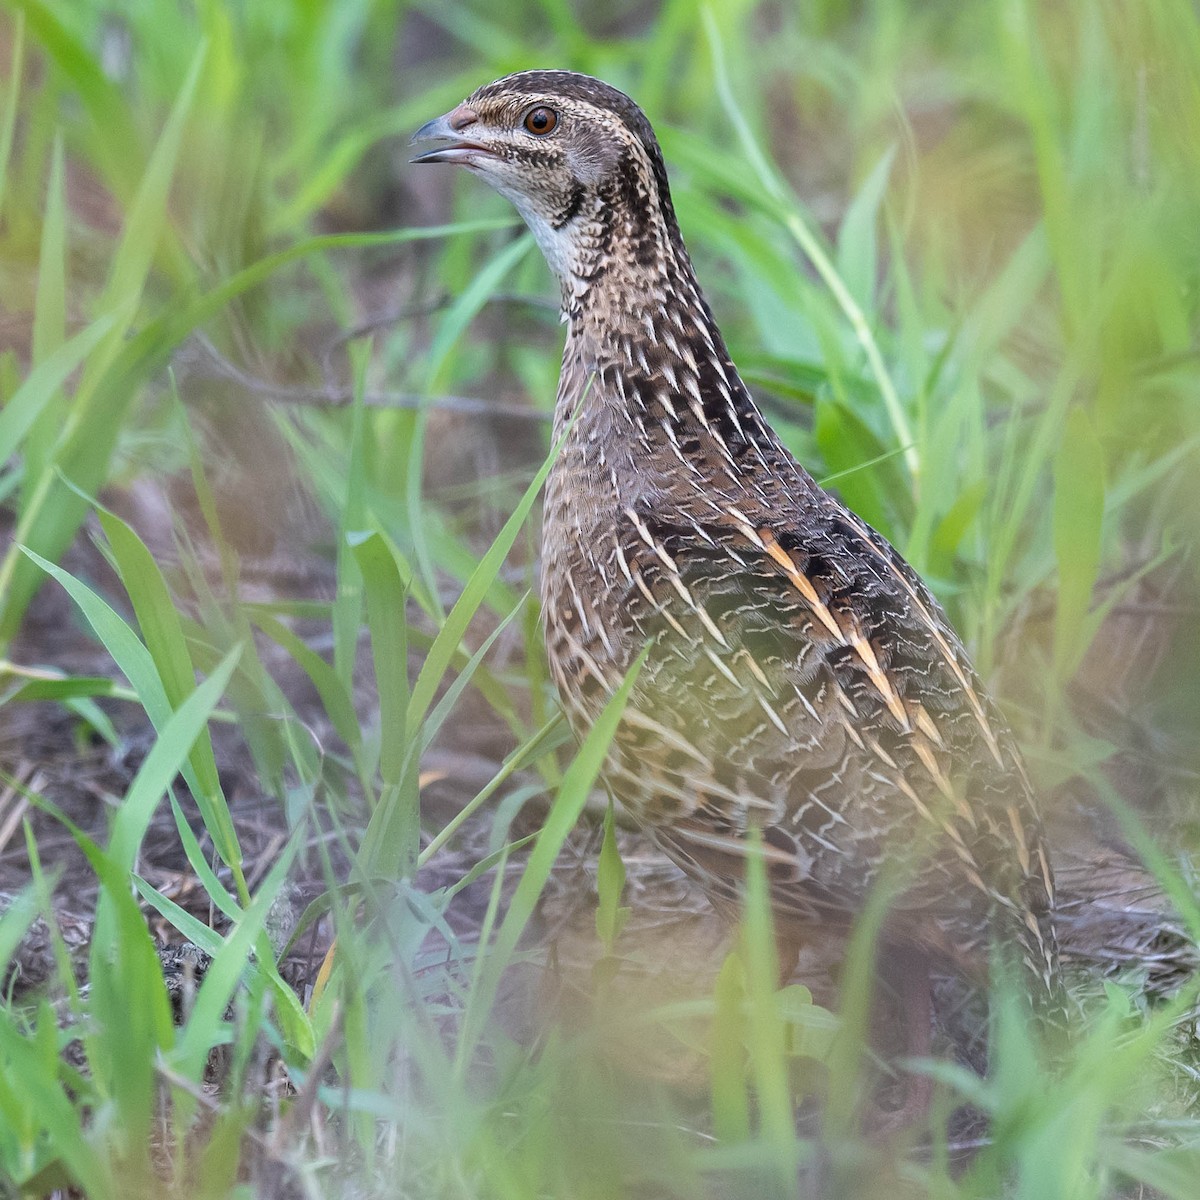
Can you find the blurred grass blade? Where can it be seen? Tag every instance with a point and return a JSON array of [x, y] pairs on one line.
[[765, 1032], [857, 254], [727, 1056], [352, 518], [335, 699], [577, 783], [37, 1092], [8, 121], [50, 515], [146, 221], [16, 916], [21, 683], [462, 680], [115, 133], [38, 391], [789, 215], [540, 744], [49, 518], [216, 891], [228, 967], [610, 887], [1078, 520], [191, 927], [49, 314], [466, 306]]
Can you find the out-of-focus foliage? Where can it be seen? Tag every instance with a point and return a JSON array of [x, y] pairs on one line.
[[954, 248]]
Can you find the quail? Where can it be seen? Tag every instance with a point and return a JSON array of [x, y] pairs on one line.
[[803, 695]]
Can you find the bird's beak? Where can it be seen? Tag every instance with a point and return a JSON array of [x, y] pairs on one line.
[[449, 129]]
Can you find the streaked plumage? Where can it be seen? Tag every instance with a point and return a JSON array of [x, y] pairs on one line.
[[801, 680]]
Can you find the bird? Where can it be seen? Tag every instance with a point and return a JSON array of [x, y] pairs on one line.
[[803, 696]]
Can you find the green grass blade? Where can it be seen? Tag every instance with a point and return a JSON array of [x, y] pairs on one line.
[[165, 760], [145, 226], [158, 618], [452, 327], [8, 122], [352, 518], [1079, 471], [727, 1056], [794, 223], [19, 683], [116, 134], [857, 252], [390, 843], [229, 964], [610, 886], [466, 673], [137, 664], [765, 1032], [39, 1093], [49, 313], [38, 392], [450, 636], [49, 518], [387, 595], [336, 700], [577, 783]]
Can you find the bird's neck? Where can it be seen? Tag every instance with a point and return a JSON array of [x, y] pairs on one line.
[[643, 353]]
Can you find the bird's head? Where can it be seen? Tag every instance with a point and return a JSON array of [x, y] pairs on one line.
[[579, 161]]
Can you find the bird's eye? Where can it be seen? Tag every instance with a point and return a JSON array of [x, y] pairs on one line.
[[541, 120]]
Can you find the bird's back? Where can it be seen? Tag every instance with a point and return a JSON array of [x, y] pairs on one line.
[[801, 681]]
